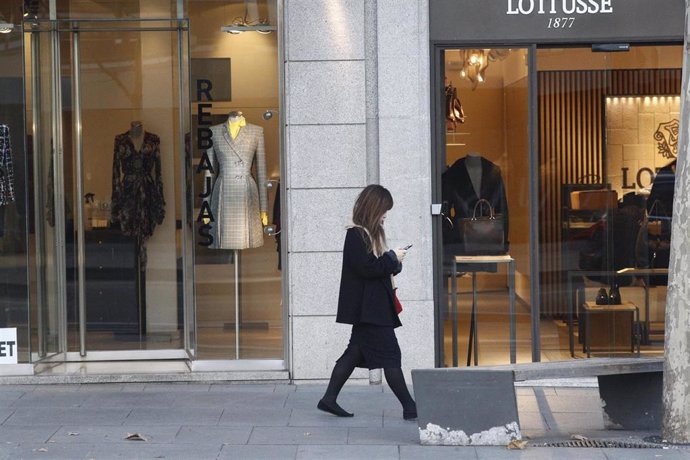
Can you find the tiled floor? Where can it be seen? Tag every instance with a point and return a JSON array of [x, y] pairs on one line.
[[268, 421]]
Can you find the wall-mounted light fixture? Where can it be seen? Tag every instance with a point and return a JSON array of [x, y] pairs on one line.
[[246, 24], [239, 27], [268, 114], [5, 27], [476, 61]]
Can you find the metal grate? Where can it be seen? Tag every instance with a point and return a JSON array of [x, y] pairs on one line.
[[601, 443]]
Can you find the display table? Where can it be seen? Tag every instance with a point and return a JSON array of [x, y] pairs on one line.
[[480, 262], [614, 312], [643, 273]]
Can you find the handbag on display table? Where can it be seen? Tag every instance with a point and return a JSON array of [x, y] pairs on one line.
[[482, 234]]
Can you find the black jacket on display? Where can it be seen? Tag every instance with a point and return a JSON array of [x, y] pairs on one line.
[[366, 289], [459, 195], [662, 191]]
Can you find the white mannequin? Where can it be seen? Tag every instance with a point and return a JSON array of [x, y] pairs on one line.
[[473, 162]]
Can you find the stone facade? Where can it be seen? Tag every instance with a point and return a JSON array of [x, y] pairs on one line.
[[327, 153]]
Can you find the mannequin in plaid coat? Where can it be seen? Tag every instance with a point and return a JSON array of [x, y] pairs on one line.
[[237, 202]]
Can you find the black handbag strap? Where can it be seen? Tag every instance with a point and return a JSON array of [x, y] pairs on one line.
[[477, 206]]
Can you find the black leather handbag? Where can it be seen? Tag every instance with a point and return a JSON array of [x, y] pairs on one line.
[[482, 234]]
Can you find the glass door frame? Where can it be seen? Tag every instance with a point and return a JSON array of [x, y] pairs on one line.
[[438, 149], [75, 28]]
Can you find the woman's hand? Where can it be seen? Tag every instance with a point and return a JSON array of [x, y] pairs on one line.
[[400, 253]]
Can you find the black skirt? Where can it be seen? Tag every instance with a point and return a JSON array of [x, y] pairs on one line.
[[378, 346]]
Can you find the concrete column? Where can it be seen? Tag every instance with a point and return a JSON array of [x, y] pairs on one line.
[[357, 103], [326, 167]]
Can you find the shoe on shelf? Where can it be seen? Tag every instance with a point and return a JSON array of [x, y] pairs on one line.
[[333, 408]]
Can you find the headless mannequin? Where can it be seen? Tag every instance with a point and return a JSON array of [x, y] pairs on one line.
[[235, 123], [136, 134], [473, 162]]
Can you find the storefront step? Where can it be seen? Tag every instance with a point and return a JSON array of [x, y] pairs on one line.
[[140, 372]]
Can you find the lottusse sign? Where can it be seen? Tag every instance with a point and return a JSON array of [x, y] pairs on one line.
[[559, 6], [556, 21], [562, 14]]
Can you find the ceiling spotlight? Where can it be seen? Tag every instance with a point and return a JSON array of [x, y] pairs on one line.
[[239, 26], [5, 27], [233, 28], [243, 24]]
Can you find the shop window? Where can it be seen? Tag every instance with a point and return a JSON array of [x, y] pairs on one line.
[[485, 175], [235, 171]]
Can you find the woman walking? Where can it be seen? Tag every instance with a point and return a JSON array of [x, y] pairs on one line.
[[366, 301]]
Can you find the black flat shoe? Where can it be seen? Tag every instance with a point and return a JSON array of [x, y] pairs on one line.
[[410, 415], [335, 409]]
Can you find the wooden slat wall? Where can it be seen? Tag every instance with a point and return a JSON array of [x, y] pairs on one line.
[[571, 108]]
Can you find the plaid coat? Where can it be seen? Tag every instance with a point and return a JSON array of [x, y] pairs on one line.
[[6, 171], [236, 200]]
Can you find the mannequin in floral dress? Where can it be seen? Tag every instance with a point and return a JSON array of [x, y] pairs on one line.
[[138, 204]]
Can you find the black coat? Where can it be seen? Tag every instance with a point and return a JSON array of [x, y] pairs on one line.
[[662, 191], [366, 291], [459, 195]]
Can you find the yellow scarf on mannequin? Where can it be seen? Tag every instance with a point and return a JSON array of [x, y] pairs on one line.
[[234, 126]]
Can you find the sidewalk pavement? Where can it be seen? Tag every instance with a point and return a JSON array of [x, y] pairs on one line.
[[273, 421]]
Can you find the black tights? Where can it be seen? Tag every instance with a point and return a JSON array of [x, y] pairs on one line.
[[346, 365]]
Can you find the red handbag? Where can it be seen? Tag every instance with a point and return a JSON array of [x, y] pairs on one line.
[[398, 305]]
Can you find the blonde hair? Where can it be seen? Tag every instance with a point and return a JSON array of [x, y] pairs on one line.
[[372, 203]]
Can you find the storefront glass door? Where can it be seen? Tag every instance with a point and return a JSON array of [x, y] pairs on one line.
[[108, 117], [608, 124]]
